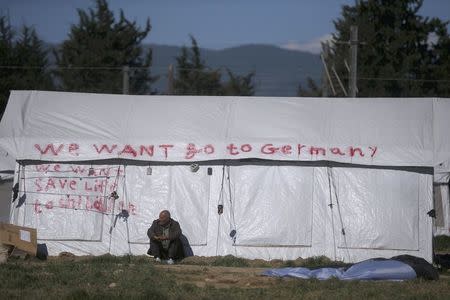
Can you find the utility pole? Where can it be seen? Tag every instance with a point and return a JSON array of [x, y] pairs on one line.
[[126, 80], [326, 75], [170, 80], [353, 60]]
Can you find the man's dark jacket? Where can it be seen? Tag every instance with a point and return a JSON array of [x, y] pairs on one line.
[[157, 229]]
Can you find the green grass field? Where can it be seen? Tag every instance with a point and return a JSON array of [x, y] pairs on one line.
[[138, 277]]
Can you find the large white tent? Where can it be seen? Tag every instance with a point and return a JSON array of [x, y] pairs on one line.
[[295, 177]]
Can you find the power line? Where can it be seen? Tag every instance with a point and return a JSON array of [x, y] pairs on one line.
[[257, 75], [405, 79]]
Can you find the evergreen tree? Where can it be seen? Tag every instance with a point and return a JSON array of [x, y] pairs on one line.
[[439, 71], [23, 62], [97, 48], [312, 89], [400, 53], [239, 85], [395, 58], [195, 78]]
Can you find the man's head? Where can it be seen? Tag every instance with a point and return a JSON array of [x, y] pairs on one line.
[[164, 217]]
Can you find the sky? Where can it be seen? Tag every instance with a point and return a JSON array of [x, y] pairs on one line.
[[216, 24]]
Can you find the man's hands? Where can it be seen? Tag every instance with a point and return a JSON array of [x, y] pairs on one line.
[[160, 238]]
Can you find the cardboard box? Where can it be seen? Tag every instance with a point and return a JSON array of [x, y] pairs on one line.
[[23, 238]]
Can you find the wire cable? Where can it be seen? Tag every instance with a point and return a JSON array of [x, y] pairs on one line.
[[220, 202], [232, 211], [339, 213], [332, 214]]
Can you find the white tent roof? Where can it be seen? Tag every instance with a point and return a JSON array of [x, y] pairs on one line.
[[60, 126]]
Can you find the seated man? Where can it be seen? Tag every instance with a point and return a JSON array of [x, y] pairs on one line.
[[164, 235]]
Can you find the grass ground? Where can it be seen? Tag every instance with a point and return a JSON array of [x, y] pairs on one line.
[[202, 278]]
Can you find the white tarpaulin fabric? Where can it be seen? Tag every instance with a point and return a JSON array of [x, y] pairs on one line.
[[7, 161], [396, 205], [373, 205], [275, 211], [442, 207], [268, 202]]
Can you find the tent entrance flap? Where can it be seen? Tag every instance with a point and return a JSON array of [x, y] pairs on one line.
[[184, 193], [74, 202], [65, 202], [272, 206], [380, 215]]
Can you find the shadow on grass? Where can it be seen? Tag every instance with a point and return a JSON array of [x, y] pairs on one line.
[[442, 243], [315, 262], [232, 261]]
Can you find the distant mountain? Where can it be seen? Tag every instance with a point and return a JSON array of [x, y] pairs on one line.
[[278, 72]]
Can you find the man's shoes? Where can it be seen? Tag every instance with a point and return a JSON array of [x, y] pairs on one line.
[[169, 261]]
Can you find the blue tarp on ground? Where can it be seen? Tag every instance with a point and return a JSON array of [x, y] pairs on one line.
[[366, 270]]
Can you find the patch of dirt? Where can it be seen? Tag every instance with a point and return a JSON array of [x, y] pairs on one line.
[[67, 256], [219, 277]]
